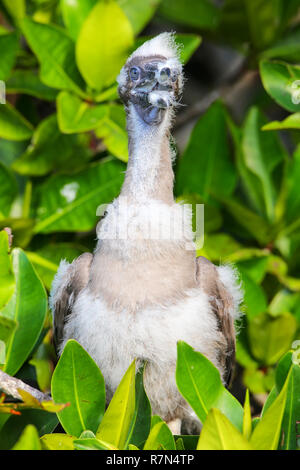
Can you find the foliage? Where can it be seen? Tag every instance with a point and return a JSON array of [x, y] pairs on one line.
[[63, 148]]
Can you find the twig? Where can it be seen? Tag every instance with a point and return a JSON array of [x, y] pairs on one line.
[[10, 385]]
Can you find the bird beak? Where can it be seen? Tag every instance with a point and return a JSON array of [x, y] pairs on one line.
[[155, 92]]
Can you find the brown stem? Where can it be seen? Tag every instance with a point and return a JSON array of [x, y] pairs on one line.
[[10, 386]]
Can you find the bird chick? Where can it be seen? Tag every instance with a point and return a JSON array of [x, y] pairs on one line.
[[143, 289]]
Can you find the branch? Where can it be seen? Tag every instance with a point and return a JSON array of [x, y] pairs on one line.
[[10, 385]]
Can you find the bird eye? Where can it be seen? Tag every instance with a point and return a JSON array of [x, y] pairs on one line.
[[134, 73]]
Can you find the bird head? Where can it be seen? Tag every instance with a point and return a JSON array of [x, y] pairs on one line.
[[151, 80]]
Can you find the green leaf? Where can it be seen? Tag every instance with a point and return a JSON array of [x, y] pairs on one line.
[[29, 440], [13, 126], [254, 296], [57, 441], [256, 225], [270, 337], [199, 382], [115, 425], [43, 421], [160, 436], [267, 432], [55, 52], [28, 82], [74, 13], [283, 301], [97, 34], [264, 21], [16, 9], [27, 307], [188, 44], [69, 202], [262, 154], [75, 115], [293, 197], [291, 122], [78, 380], [113, 132], [141, 421], [7, 328], [46, 259], [201, 14], [247, 423], [219, 246], [9, 44], [286, 48], [281, 81], [8, 190], [92, 444], [218, 433], [287, 371], [205, 167], [42, 155], [139, 12]]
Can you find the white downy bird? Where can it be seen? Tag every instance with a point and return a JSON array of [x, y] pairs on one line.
[[143, 288]]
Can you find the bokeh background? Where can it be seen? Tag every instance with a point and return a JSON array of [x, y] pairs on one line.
[[63, 149]]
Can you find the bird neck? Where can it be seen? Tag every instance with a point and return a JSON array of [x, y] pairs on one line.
[[149, 172]]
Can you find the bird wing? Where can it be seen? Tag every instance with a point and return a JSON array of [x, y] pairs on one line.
[[223, 306], [69, 280]]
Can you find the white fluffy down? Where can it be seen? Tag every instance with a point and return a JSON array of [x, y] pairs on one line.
[[228, 274], [114, 340]]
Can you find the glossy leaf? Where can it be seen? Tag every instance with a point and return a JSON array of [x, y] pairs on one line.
[[262, 154], [46, 259], [141, 421], [78, 380], [42, 156], [92, 444], [255, 300], [115, 425], [266, 434], [43, 421], [28, 82], [16, 9], [160, 436], [13, 126], [75, 115], [270, 337], [74, 14], [200, 384], [287, 370], [247, 423], [218, 433], [139, 12], [55, 51], [113, 132], [203, 14], [281, 81], [57, 441], [29, 440], [96, 34], [264, 21], [69, 202], [9, 44], [8, 190], [205, 167], [27, 307], [7, 280]]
